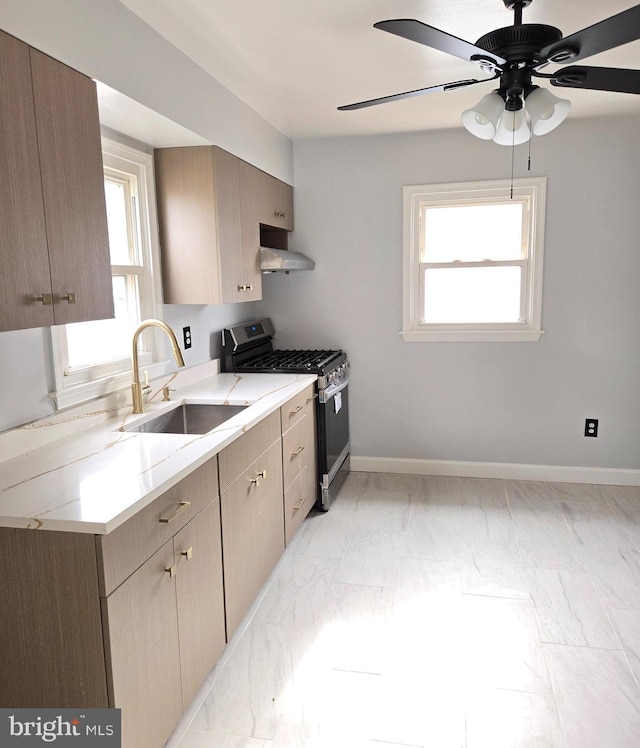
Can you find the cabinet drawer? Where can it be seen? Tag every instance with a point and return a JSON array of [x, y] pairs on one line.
[[294, 410], [299, 499], [297, 444], [234, 459], [125, 549]]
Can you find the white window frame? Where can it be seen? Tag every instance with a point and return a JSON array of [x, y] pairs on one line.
[[79, 384], [531, 193]]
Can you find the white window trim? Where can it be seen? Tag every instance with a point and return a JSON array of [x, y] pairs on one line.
[[91, 382], [531, 189]]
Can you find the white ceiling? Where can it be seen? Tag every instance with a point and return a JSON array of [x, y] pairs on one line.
[[295, 61]]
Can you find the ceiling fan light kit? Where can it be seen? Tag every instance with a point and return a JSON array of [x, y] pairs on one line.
[[515, 55], [489, 119]]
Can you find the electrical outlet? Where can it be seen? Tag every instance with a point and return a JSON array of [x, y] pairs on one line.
[[186, 337], [591, 427]]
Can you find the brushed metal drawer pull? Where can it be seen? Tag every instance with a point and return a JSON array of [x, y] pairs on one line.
[[181, 507], [70, 297], [46, 299], [297, 452], [297, 410], [245, 287], [299, 504], [188, 554], [171, 571], [261, 475]]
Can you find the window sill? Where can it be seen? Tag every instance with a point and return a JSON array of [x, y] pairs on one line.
[[81, 393], [471, 336]]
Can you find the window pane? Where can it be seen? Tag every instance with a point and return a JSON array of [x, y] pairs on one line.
[[116, 195], [473, 233], [472, 295], [108, 339]]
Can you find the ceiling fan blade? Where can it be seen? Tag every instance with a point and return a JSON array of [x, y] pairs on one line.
[[416, 92], [598, 79], [410, 28], [612, 32]]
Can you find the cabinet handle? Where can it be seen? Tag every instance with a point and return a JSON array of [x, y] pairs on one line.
[[171, 571], [278, 214], [297, 452], [245, 287], [261, 475], [181, 507], [46, 299], [297, 410], [188, 554], [299, 504], [70, 297]]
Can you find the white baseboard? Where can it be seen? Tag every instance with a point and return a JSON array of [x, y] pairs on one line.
[[513, 471]]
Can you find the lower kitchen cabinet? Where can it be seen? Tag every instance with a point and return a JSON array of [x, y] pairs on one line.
[[252, 531], [299, 459], [164, 631]]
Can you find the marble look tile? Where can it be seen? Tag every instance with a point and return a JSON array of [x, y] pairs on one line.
[[198, 739], [373, 559], [544, 538], [258, 686], [485, 518], [419, 712], [569, 611], [374, 482], [596, 527], [512, 719], [501, 645], [299, 594], [627, 626], [335, 708], [581, 493], [625, 501], [597, 697], [616, 575], [495, 570], [434, 529], [356, 632], [376, 510], [326, 534]]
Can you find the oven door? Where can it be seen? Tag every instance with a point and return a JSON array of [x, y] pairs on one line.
[[333, 441]]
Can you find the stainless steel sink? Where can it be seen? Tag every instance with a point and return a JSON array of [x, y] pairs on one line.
[[189, 418]]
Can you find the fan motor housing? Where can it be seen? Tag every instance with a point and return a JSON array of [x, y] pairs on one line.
[[520, 43]]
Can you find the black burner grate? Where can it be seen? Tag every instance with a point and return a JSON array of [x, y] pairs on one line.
[[291, 360]]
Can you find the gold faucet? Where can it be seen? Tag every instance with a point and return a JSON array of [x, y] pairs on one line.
[[136, 386]]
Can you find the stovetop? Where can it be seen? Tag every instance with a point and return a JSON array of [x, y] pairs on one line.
[[249, 347]]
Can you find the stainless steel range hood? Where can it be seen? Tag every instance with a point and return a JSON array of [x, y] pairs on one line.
[[283, 260]]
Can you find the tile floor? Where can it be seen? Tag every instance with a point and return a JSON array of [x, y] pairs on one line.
[[445, 613]]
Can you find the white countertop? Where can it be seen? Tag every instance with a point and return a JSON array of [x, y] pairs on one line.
[[97, 476]]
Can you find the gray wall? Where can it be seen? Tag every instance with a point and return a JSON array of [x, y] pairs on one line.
[[495, 402], [108, 42]]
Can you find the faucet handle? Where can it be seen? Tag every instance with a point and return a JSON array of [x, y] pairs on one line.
[[166, 396]]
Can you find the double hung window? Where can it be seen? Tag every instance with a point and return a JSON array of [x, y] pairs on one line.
[[473, 261]]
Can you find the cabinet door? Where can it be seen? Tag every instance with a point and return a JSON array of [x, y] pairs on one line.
[[23, 238], [252, 207], [252, 532], [280, 203], [143, 652], [68, 128], [198, 553]]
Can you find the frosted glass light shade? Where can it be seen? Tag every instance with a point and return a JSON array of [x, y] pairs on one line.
[[546, 110], [512, 129], [482, 119]]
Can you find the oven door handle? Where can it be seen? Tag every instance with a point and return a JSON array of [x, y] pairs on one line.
[[325, 395]]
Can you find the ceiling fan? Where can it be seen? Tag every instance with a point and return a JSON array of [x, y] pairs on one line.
[[515, 55]]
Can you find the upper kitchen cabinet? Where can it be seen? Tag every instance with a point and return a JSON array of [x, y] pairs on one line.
[[211, 207], [53, 226], [205, 258], [266, 198]]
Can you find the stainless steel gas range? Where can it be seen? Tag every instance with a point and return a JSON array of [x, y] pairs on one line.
[[248, 347]]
